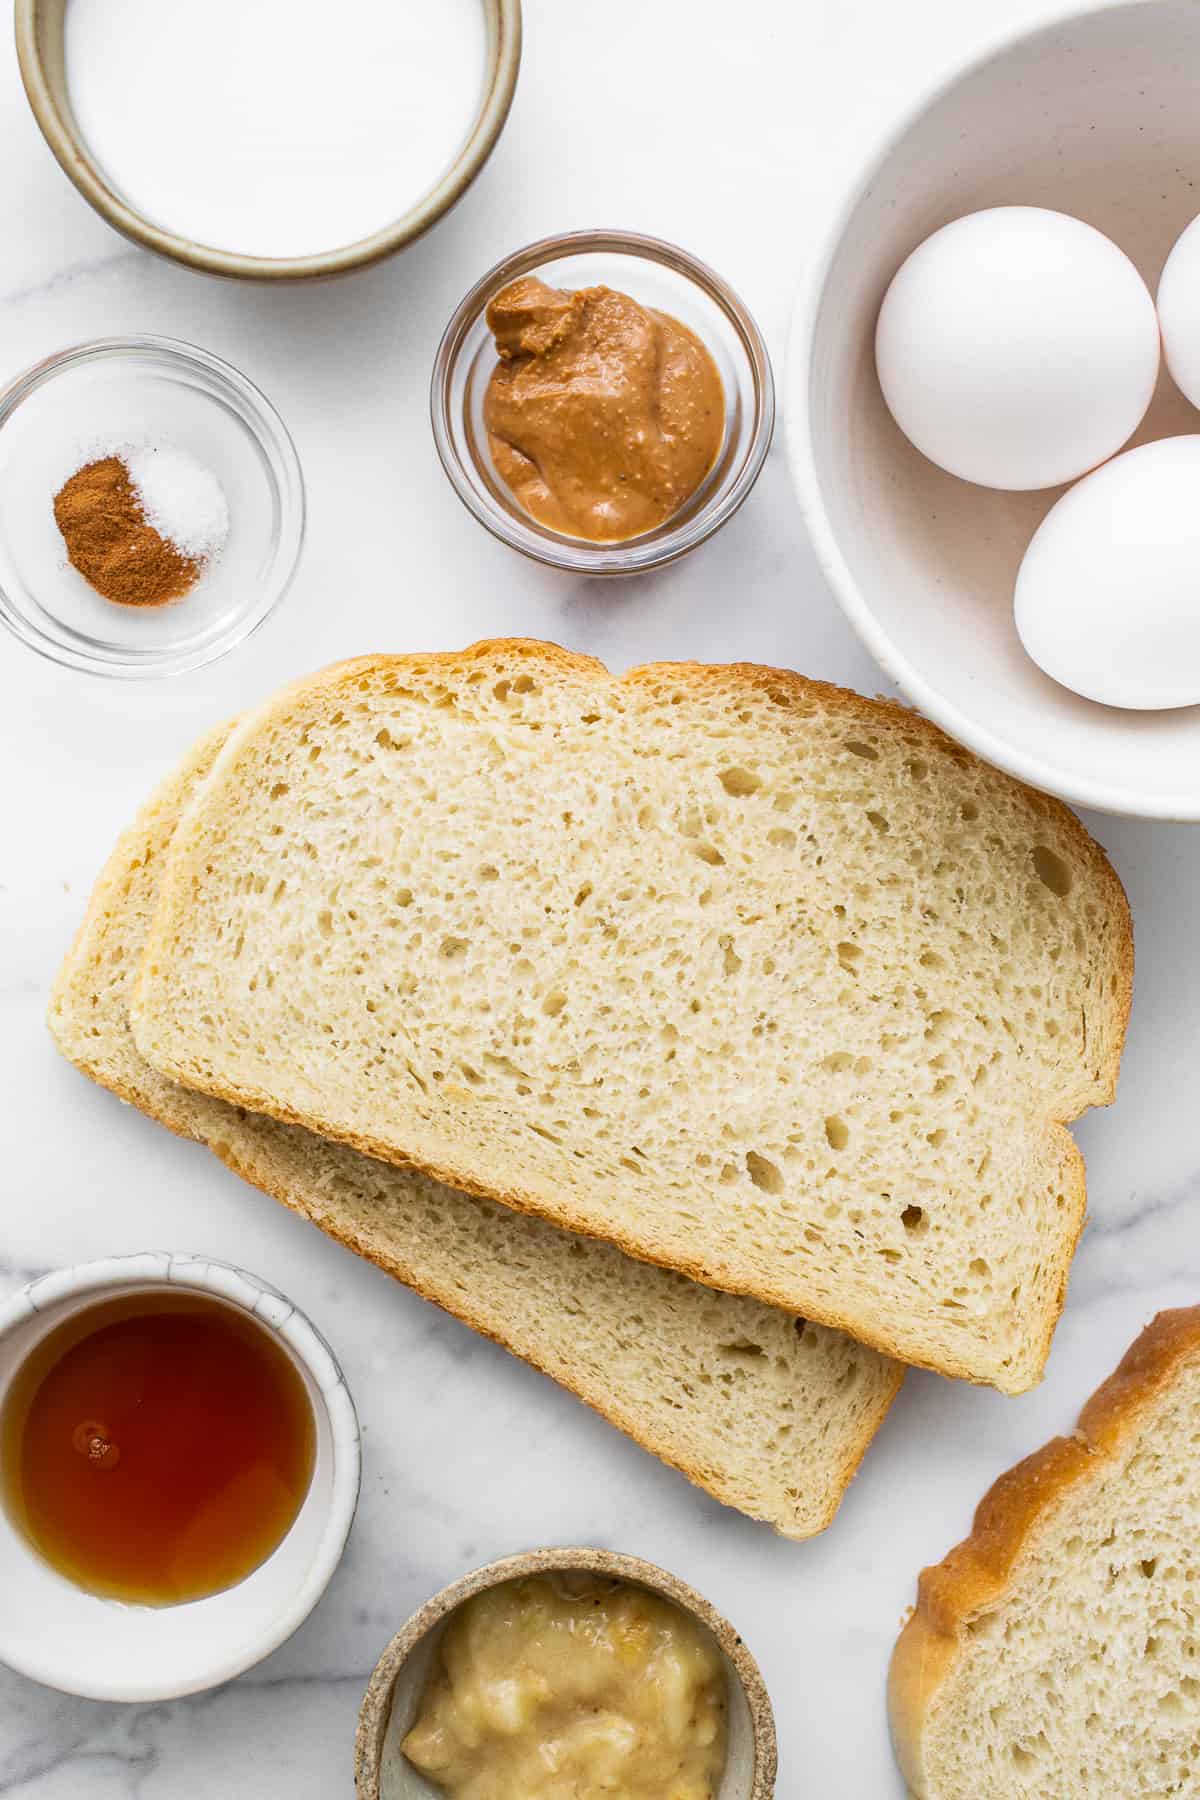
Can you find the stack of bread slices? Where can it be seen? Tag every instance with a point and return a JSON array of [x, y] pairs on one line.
[[706, 1036]]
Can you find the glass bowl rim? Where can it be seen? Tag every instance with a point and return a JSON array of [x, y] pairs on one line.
[[259, 416], [576, 555]]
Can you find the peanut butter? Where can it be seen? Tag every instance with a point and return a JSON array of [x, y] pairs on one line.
[[557, 1685], [603, 416]]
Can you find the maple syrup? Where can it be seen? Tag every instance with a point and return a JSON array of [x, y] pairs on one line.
[[156, 1448]]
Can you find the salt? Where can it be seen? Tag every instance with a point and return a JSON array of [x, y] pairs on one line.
[[182, 500], [275, 128]]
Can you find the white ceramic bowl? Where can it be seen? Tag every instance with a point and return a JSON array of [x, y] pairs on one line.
[[84, 1644], [1095, 115]]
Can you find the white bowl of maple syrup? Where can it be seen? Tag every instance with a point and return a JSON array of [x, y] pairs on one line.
[[179, 1471]]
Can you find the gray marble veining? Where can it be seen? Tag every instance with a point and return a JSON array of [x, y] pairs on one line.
[[468, 1455]]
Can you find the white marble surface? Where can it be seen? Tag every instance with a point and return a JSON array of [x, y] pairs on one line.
[[719, 126]]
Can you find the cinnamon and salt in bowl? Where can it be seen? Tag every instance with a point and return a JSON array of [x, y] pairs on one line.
[[151, 507]]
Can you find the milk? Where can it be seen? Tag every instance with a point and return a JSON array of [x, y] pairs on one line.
[[275, 127]]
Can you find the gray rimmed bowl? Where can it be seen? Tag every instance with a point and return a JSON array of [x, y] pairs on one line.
[[393, 1695], [40, 53]]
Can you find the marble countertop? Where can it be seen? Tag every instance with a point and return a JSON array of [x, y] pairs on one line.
[[720, 127]]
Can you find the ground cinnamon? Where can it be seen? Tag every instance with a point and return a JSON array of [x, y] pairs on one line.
[[109, 541]]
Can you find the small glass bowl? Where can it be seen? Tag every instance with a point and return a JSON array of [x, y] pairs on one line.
[[659, 275], [84, 403]]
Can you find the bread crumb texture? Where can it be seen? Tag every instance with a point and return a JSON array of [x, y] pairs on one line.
[[767, 1412], [1056, 1653], [756, 978]]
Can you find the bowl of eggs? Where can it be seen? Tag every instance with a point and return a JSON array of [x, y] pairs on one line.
[[994, 418]]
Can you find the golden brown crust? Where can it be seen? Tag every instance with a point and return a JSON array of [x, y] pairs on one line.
[[974, 1577], [787, 689], [1152, 1360]]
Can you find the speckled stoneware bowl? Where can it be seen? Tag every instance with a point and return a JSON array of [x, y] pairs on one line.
[[39, 29], [87, 1644], [391, 1700]]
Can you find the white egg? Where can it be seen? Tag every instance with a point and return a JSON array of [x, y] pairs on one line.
[[1108, 594], [1179, 312], [1017, 348]]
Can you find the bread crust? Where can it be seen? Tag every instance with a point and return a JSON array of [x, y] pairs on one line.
[[238, 1147], [788, 689], [974, 1577], [625, 1420]]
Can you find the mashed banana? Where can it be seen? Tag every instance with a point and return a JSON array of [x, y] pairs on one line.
[[572, 1684]]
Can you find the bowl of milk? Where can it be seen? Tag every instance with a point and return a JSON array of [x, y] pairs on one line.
[[264, 140]]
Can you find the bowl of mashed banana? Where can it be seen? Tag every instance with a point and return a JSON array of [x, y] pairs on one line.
[[566, 1672]]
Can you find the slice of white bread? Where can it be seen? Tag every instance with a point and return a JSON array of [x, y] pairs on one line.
[[755, 978], [767, 1413], [1056, 1652]]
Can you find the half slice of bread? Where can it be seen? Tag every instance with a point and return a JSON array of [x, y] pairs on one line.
[[1056, 1653], [753, 977], [769, 1414]]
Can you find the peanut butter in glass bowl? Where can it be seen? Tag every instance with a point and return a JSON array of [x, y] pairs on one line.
[[603, 416], [602, 402]]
